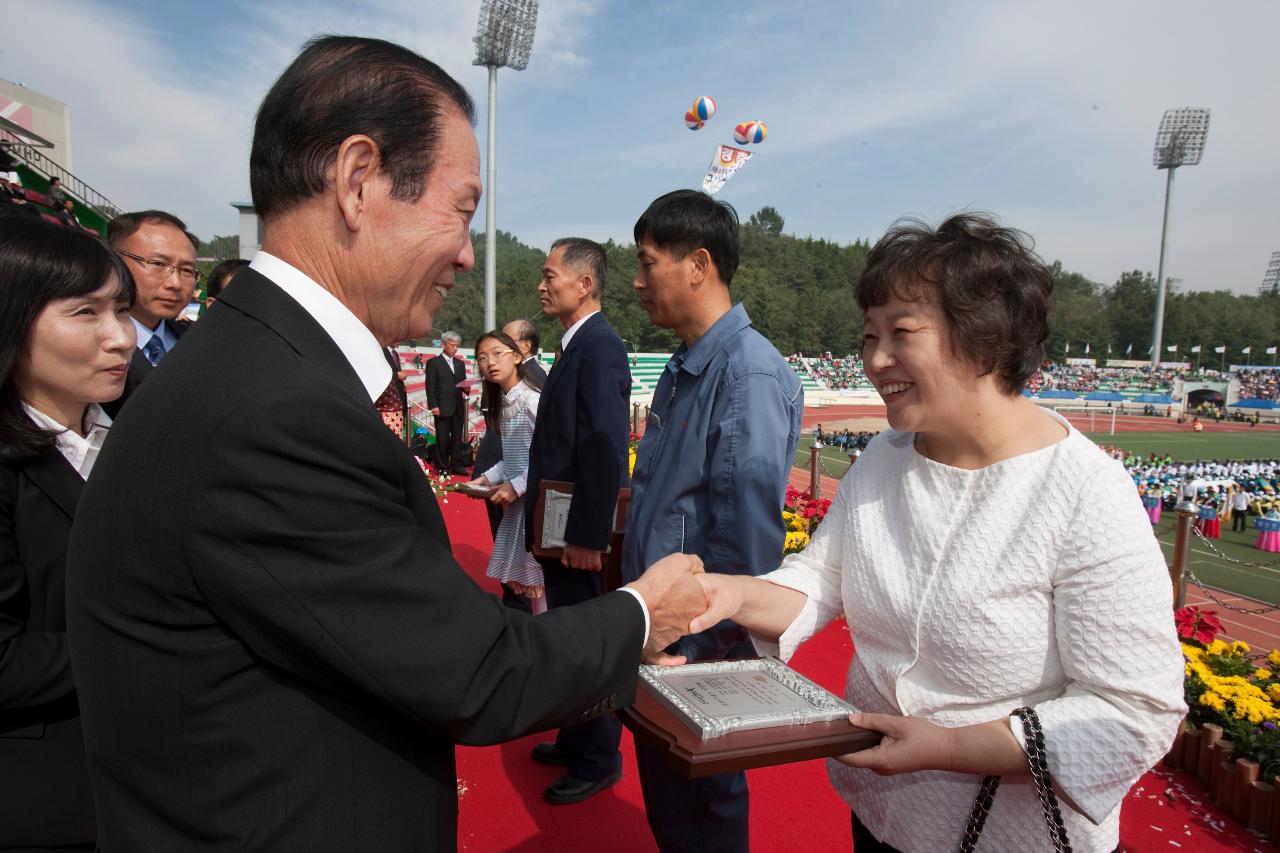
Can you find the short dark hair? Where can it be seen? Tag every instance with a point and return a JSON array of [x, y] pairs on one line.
[[337, 87], [683, 221], [41, 262], [126, 225], [587, 255], [527, 330], [223, 273], [993, 289]]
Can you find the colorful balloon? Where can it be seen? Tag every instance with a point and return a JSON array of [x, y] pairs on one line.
[[692, 121], [704, 107], [749, 132]]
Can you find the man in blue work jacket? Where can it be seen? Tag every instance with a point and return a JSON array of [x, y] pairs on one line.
[[711, 471]]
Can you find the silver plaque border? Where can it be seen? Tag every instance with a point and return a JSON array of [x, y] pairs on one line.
[[824, 705]]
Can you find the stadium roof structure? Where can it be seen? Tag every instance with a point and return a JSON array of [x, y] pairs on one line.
[[22, 135]]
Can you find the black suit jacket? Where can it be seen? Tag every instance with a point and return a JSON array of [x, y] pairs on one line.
[[582, 430], [276, 648], [45, 799], [140, 369], [442, 385]]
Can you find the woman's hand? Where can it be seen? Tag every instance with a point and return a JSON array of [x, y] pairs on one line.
[[480, 481], [724, 594], [504, 495], [909, 744]]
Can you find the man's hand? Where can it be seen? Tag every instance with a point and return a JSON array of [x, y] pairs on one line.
[[505, 494], [585, 559], [673, 597], [435, 410]]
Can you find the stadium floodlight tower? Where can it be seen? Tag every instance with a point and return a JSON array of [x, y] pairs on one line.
[[1179, 142], [504, 39], [1271, 280]]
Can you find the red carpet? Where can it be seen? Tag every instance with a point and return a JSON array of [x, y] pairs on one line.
[[792, 807]]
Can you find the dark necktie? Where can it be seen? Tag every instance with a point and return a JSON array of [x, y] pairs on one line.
[[154, 349]]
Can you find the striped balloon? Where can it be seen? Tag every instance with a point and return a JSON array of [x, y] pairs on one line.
[[749, 132], [704, 107], [692, 121]]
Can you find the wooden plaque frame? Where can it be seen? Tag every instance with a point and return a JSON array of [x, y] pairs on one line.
[[693, 757]]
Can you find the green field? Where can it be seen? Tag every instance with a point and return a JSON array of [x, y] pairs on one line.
[[1260, 582], [1181, 445], [1187, 446]]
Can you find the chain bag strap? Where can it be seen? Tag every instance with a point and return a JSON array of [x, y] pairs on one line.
[[1038, 760]]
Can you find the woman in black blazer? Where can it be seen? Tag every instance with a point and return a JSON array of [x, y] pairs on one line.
[[65, 344]]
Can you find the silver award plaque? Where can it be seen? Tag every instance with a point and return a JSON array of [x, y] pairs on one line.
[[720, 697]]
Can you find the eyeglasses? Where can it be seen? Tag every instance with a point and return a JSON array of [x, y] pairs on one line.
[[491, 358], [163, 269]]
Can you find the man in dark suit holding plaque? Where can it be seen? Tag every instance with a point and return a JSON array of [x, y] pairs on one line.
[[289, 668], [581, 437]]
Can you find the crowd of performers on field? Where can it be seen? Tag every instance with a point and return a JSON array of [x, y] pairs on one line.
[[1235, 490]]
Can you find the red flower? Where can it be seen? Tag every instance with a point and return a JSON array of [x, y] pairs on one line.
[[810, 511], [1202, 626]]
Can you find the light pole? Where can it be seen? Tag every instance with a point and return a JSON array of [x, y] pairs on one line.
[[1179, 142], [504, 38]]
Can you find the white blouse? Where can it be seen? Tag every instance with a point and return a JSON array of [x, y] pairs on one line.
[[969, 593], [81, 452]]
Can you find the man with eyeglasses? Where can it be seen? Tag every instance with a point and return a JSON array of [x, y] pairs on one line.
[[161, 255]]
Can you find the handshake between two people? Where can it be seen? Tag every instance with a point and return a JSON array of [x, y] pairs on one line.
[[682, 599]]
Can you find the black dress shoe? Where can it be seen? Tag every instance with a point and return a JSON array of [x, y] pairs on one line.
[[567, 790], [550, 754]]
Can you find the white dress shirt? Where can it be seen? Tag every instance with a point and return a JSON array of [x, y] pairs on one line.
[[357, 343], [969, 593], [572, 330], [80, 451], [144, 334]]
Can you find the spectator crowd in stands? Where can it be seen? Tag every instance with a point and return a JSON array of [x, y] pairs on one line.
[[1259, 384], [837, 373]]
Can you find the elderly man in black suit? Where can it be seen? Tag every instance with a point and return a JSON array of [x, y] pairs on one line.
[[289, 667], [161, 255], [448, 403], [581, 437]]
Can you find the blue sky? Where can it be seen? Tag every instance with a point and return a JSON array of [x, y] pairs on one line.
[[1042, 113]]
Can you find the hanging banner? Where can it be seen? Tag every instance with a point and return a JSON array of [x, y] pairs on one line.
[[724, 165]]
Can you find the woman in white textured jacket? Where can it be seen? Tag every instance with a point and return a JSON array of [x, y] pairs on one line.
[[987, 556]]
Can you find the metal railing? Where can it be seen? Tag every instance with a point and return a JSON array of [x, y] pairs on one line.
[[1180, 569], [38, 161]]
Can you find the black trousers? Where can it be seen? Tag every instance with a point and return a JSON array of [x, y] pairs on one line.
[[1240, 520], [592, 746], [451, 431]]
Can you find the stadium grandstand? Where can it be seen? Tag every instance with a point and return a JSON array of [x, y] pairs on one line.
[[34, 152]]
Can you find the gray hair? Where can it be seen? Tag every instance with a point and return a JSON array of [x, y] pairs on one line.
[[451, 336]]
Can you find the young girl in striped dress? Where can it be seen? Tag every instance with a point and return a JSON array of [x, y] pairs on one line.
[[510, 405]]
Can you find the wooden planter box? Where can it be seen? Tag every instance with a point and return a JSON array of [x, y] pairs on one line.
[[1232, 783]]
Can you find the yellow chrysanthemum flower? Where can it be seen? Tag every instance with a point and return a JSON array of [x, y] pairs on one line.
[[1262, 674]]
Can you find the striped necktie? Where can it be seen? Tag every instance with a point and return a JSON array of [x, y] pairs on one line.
[[154, 349]]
